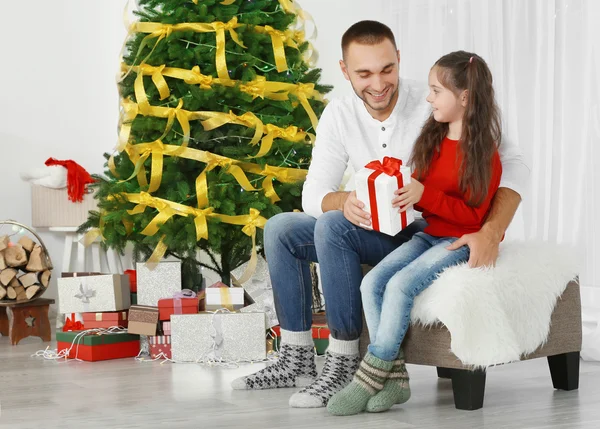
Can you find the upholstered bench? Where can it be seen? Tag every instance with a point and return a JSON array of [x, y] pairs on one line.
[[432, 346]]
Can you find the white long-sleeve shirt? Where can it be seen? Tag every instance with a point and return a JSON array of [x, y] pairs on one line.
[[347, 133]]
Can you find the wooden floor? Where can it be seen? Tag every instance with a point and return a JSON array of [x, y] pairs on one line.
[[35, 393]]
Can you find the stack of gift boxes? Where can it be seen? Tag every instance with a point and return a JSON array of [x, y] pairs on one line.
[[180, 325], [221, 322]]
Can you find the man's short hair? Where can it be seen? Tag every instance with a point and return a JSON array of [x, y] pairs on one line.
[[367, 33]]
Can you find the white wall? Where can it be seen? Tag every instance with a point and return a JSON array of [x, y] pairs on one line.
[[58, 96]]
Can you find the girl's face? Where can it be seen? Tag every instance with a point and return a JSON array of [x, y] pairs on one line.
[[446, 105]]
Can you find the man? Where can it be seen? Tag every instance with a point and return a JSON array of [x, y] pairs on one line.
[[383, 118]]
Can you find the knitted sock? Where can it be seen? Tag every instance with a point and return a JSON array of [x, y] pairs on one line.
[[294, 368], [369, 380], [396, 389], [341, 362]]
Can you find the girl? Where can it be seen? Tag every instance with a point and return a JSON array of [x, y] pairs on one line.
[[456, 172]]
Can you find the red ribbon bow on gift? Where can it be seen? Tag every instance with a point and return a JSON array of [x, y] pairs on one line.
[[72, 325], [391, 167]]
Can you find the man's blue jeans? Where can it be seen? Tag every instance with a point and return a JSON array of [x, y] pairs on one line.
[[389, 289], [293, 240]]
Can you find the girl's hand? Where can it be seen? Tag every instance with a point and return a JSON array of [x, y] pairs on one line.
[[408, 196]]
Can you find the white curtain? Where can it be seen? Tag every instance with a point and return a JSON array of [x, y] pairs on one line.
[[545, 58]]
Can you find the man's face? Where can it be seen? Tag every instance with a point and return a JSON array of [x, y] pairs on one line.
[[373, 73]]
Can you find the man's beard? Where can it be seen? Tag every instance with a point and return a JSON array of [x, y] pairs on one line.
[[365, 99]]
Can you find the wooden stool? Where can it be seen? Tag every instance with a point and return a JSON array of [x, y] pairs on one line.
[[28, 319]]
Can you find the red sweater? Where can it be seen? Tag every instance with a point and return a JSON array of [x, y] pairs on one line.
[[443, 205]]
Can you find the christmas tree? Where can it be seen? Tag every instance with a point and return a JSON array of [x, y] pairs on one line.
[[219, 109]]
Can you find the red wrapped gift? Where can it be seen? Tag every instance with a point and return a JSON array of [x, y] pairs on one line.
[[320, 332], [105, 320], [160, 344], [132, 280], [169, 306], [98, 347]]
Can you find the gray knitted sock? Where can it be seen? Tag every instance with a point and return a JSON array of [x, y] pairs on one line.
[[341, 362], [294, 368]]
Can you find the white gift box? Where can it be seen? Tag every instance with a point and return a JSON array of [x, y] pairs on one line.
[[93, 293], [372, 182], [231, 298], [227, 336], [162, 281]]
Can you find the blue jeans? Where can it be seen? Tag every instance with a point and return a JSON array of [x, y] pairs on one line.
[[389, 290], [293, 240]]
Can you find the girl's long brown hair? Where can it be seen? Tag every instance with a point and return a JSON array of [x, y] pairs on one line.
[[481, 128]]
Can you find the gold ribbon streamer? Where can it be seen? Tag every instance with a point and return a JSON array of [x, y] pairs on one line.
[[251, 222], [167, 209], [160, 30], [283, 174], [290, 133], [157, 255], [259, 87], [278, 40], [225, 298]]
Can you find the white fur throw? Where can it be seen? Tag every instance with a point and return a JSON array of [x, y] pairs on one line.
[[497, 315]]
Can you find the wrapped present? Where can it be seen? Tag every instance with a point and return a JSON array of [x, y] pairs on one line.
[[73, 322], [162, 281], [93, 293], [375, 186], [226, 336], [79, 274], [184, 302], [143, 320], [320, 334], [132, 280], [260, 278], [264, 303], [52, 208], [93, 347], [160, 346], [134, 299], [166, 327], [105, 320], [220, 295]]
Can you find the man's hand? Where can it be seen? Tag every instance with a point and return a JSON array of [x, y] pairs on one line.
[[483, 246], [353, 211], [408, 196]]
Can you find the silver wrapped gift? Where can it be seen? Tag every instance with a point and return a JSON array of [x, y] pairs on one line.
[[218, 336], [260, 279], [264, 303], [160, 282], [93, 293]]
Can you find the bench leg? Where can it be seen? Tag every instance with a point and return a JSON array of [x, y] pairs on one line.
[[468, 388], [564, 369], [3, 322], [444, 372]]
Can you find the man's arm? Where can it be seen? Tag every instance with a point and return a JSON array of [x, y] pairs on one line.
[[326, 170], [484, 244]]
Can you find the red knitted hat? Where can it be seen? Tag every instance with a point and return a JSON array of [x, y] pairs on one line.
[[77, 178]]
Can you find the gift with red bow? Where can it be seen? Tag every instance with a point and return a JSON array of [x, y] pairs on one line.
[[375, 186]]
